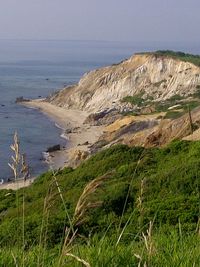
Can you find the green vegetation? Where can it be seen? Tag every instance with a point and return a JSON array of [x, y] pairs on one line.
[[165, 105], [195, 59], [137, 100], [170, 250], [174, 114], [134, 100], [129, 190], [176, 100]]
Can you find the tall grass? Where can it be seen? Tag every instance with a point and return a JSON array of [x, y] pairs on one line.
[[146, 245], [169, 253], [20, 168]]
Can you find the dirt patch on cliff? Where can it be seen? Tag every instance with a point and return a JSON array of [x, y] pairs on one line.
[[151, 131]]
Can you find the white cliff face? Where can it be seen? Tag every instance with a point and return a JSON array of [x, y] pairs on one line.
[[156, 76]]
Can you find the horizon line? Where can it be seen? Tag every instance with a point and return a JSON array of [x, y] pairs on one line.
[[108, 41]]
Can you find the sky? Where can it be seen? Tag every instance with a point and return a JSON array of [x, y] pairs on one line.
[[111, 20]]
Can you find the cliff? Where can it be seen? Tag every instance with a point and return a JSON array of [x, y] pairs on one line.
[[153, 76]]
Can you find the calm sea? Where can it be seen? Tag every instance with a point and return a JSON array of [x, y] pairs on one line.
[[35, 69]]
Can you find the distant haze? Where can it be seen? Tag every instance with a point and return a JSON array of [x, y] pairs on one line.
[[154, 21]]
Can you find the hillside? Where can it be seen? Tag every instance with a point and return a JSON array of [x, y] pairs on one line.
[[152, 76], [133, 186]]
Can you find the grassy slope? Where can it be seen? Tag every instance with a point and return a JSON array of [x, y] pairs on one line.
[[194, 59], [170, 198]]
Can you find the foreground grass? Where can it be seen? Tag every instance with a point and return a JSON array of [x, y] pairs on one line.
[[170, 250], [101, 212]]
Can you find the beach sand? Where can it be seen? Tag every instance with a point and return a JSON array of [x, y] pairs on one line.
[[79, 139], [18, 184], [63, 118]]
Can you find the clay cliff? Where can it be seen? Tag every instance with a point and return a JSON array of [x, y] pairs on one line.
[[152, 76]]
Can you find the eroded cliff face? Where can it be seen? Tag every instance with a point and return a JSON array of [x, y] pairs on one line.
[[158, 77], [151, 130]]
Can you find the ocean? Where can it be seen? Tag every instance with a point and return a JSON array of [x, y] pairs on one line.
[[34, 69]]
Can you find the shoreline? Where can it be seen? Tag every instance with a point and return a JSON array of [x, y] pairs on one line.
[[20, 183], [63, 118], [79, 136]]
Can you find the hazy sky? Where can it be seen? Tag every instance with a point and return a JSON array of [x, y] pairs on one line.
[[125, 20]]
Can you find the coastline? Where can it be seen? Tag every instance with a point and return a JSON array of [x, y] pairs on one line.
[[62, 117], [80, 136], [20, 183]]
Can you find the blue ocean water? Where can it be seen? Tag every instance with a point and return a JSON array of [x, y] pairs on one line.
[[35, 69]]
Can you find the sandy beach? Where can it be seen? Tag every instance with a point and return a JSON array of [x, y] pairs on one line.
[[18, 184], [80, 136], [63, 118]]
